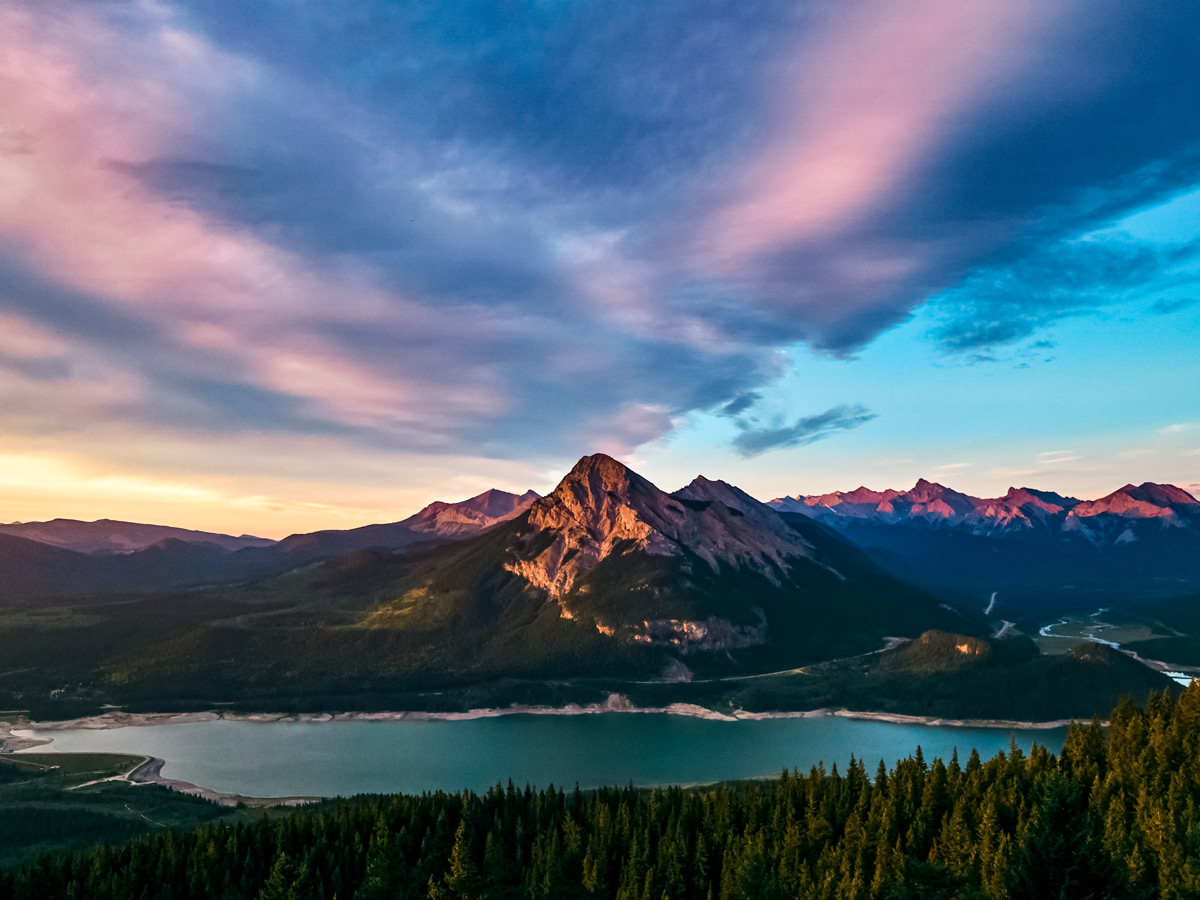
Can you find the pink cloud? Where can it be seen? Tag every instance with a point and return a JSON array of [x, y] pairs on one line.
[[241, 306], [28, 341], [865, 105]]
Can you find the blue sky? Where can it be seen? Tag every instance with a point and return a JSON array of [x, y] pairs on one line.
[[289, 265]]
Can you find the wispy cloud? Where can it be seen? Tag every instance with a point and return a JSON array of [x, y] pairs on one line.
[[1057, 457], [869, 98], [740, 404], [806, 430], [1166, 307], [1004, 304]]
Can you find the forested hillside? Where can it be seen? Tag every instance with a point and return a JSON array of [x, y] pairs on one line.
[[1114, 816]]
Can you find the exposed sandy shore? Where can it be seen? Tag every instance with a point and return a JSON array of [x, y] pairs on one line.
[[17, 736], [149, 771], [11, 742]]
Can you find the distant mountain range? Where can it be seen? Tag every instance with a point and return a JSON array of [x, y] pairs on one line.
[[111, 536], [65, 556], [1031, 544], [604, 580], [1111, 519]]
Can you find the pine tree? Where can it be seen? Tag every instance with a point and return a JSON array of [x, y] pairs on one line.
[[280, 884], [461, 881]]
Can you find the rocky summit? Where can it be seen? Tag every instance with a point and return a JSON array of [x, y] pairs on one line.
[[601, 506]]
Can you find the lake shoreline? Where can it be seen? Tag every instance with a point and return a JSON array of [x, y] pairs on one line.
[[11, 739], [149, 771]]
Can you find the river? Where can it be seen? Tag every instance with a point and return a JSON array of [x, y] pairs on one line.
[[341, 758]]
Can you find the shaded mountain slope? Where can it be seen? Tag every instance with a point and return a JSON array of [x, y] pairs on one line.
[[33, 569], [438, 521]]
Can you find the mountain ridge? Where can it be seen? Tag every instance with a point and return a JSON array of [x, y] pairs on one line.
[[437, 520], [1031, 546], [116, 536], [1019, 508], [181, 558]]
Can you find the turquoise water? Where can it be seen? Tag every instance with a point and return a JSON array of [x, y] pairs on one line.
[[279, 759]]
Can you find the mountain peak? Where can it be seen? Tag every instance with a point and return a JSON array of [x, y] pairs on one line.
[[936, 501], [705, 489], [1162, 494], [597, 481], [599, 494], [926, 488], [470, 515], [602, 506], [1146, 501], [598, 462]]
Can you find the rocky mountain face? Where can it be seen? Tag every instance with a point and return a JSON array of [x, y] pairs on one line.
[[610, 562], [601, 507], [1142, 540]]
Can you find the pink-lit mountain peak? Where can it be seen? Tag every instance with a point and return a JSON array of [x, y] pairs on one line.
[[1046, 501], [865, 495], [1147, 500], [937, 499], [491, 504], [1161, 494], [471, 515]]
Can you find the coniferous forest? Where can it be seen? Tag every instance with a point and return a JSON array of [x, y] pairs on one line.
[[1115, 815]]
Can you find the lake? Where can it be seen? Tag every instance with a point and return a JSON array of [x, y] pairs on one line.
[[341, 758]]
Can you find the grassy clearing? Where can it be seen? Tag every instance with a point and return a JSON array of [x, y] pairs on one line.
[[47, 804], [93, 765], [1072, 631], [51, 617]]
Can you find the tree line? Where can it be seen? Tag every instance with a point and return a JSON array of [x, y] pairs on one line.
[[1114, 815]]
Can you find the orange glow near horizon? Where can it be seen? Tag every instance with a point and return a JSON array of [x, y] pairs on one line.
[[38, 487]]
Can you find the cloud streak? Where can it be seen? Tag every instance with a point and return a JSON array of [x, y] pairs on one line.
[[807, 430], [1004, 304], [874, 89]]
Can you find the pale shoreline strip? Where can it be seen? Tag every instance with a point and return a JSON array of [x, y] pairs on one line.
[[18, 736], [149, 771]]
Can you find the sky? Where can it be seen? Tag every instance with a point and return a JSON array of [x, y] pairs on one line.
[[282, 266]]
